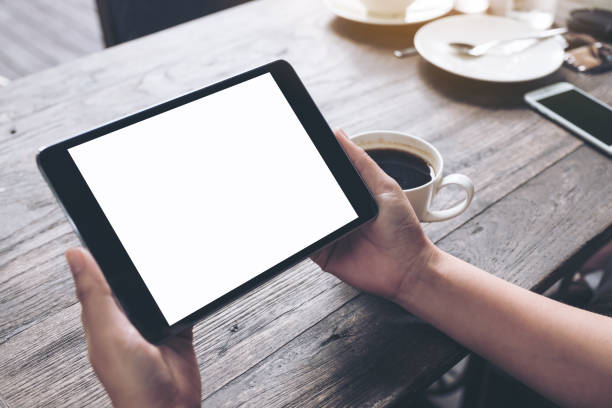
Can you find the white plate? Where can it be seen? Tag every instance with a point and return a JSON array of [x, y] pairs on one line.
[[540, 59], [417, 12]]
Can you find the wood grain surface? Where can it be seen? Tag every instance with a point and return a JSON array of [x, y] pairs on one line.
[[303, 338], [39, 34]]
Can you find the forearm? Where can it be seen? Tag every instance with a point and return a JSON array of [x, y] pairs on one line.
[[563, 352]]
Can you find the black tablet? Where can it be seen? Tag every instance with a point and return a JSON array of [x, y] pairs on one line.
[[191, 203]]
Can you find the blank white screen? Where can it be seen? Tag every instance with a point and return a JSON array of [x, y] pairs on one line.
[[207, 196]]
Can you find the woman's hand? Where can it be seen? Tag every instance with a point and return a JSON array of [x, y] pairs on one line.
[[134, 372], [386, 256], [560, 351]]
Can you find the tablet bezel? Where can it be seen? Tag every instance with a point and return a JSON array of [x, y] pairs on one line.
[[96, 233]]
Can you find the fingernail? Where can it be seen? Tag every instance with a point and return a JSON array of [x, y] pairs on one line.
[[75, 260], [343, 133]]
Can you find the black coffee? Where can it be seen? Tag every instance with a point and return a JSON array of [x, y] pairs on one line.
[[408, 170]]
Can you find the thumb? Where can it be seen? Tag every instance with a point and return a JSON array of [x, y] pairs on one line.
[[377, 180], [100, 312]]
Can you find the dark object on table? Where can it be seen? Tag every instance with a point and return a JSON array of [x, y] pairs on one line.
[[592, 21], [586, 54], [124, 20], [488, 386]]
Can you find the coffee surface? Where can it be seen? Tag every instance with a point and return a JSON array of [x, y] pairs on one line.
[[408, 170]]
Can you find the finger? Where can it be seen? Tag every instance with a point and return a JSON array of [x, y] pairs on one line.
[[182, 342], [322, 256], [341, 134], [101, 314], [186, 334], [377, 180]]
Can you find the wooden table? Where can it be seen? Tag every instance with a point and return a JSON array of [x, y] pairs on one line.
[[543, 202]]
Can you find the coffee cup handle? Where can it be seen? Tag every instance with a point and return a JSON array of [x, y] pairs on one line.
[[453, 179]]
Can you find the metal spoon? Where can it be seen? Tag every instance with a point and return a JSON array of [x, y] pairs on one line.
[[477, 50], [404, 52]]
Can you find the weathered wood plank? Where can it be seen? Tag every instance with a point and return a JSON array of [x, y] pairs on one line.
[[498, 163], [232, 334], [39, 34], [482, 129], [365, 353], [82, 17], [39, 380], [357, 356], [72, 36]]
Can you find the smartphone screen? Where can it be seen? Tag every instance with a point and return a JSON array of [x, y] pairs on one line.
[[592, 117]]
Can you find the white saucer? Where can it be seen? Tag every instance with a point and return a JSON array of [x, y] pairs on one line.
[[417, 12], [540, 59]]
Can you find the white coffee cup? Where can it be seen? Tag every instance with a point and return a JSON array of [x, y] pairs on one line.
[[386, 7], [421, 197]]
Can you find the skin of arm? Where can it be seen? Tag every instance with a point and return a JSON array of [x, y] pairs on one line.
[[563, 352], [560, 351]]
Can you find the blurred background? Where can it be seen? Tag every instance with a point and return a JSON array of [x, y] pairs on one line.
[[39, 34]]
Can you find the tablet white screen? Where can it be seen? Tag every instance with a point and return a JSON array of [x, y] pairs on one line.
[[207, 196]]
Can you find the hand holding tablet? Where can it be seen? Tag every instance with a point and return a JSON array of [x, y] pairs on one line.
[[134, 372], [191, 203], [367, 259]]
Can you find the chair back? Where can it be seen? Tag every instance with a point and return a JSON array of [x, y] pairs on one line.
[[124, 20]]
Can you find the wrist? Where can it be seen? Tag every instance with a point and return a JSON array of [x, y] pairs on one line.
[[420, 279]]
